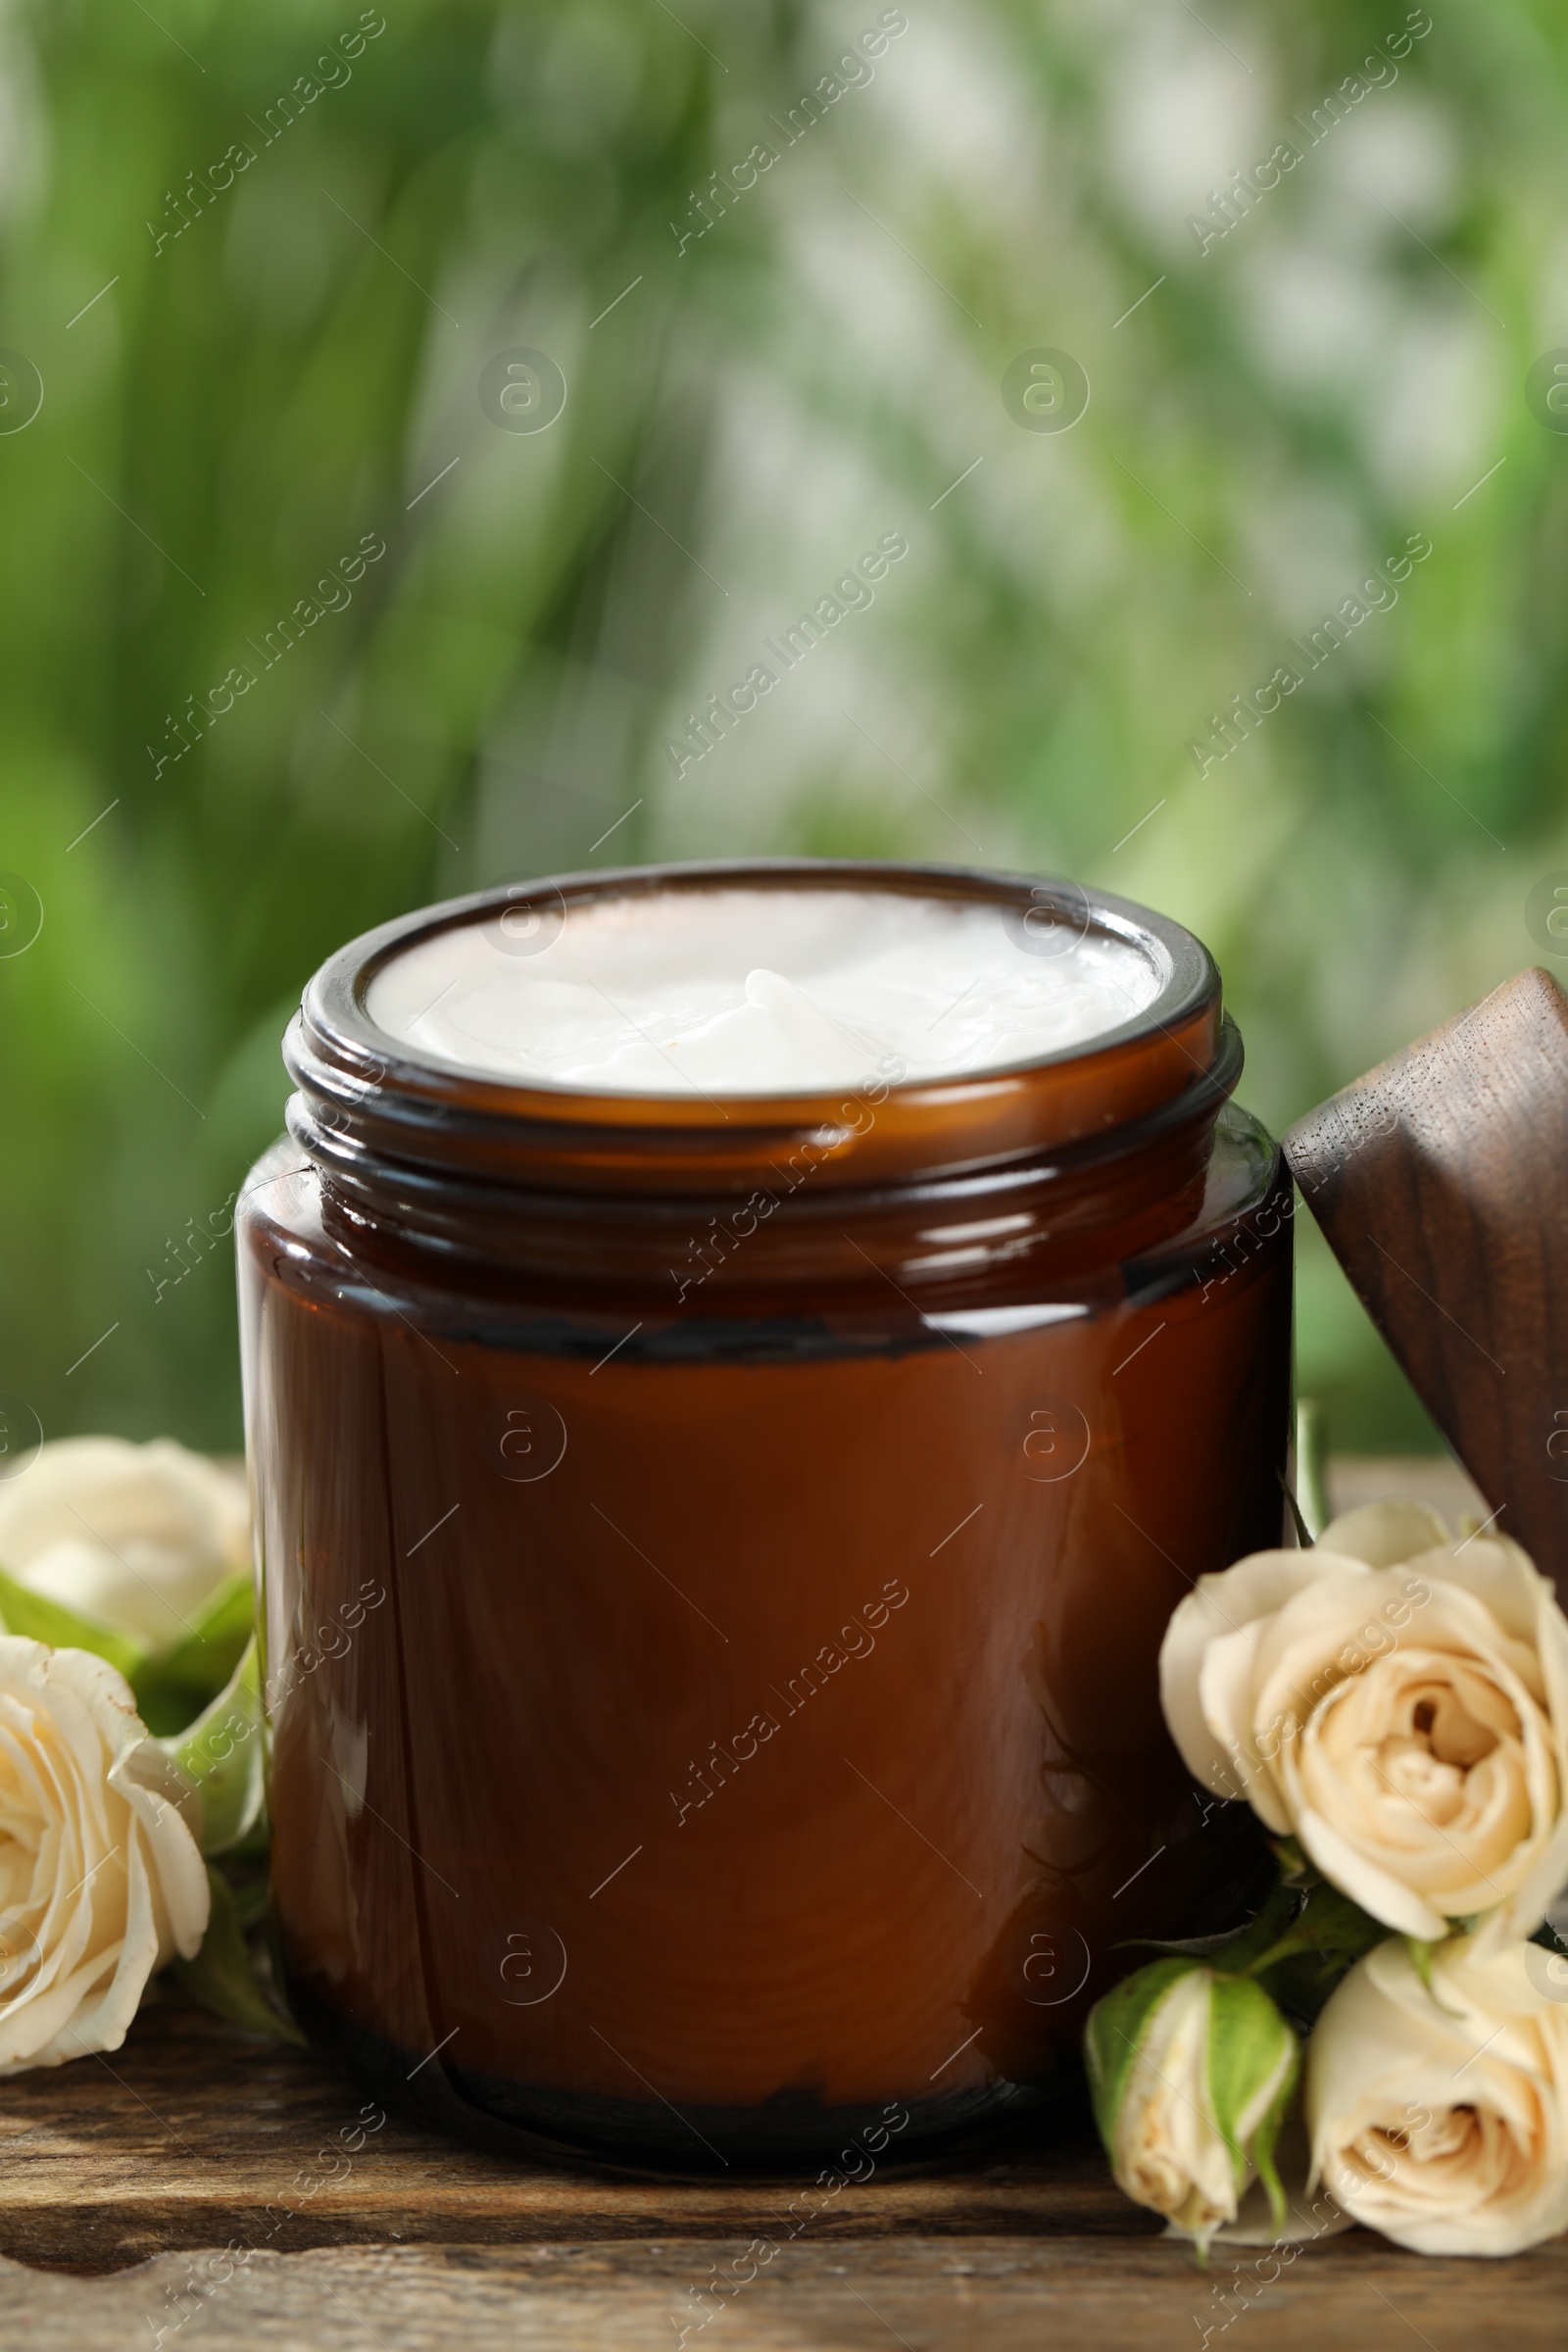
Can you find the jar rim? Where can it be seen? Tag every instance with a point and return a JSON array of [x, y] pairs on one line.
[[363, 1092]]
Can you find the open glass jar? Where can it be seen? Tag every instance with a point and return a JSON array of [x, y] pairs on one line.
[[714, 1551]]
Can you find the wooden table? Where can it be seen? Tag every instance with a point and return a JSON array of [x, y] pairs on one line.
[[126, 2177]]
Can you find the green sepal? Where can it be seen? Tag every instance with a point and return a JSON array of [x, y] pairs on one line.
[[1249, 2044], [223, 1976], [1236, 1949], [1421, 1953], [1266, 2139], [40, 1620], [169, 1686], [222, 1751], [1327, 1923], [1320, 1946], [173, 1685], [1303, 1534], [1115, 2034], [1305, 1938]]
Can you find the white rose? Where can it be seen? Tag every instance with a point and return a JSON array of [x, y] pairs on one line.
[[1191, 2073], [1399, 1703], [136, 1538], [1441, 2117], [101, 1877]]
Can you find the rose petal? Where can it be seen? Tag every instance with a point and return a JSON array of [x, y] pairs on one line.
[[1499, 1574], [1218, 1605], [90, 1804], [1460, 2093], [1388, 1898]]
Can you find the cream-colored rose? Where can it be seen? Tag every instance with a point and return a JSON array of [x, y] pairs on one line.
[[136, 1538], [1168, 2153], [1441, 2117], [101, 1877], [1397, 1701], [1190, 2074]]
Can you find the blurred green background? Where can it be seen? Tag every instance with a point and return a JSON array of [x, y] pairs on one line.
[[230, 410]]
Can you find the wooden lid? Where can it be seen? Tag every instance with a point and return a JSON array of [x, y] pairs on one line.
[[1441, 1180]]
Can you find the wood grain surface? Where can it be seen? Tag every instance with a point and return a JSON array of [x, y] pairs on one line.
[[194, 2164], [194, 2135], [1438, 1179], [856, 2294]]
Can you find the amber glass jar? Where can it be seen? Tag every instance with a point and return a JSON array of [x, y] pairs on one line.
[[715, 1556]]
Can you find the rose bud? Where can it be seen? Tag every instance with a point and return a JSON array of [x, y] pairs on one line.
[[1190, 2073], [134, 1537]]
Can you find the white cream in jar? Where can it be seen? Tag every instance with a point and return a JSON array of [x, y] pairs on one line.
[[756, 990]]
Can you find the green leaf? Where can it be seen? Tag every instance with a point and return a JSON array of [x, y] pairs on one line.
[[222, 1751], [173, 1685], [223, 1976], [1115, 2034], [42, 1620], [1253, 2060]]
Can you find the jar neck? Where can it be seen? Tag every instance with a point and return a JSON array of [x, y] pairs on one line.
[[1094, 1202], [1082, 1156]]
